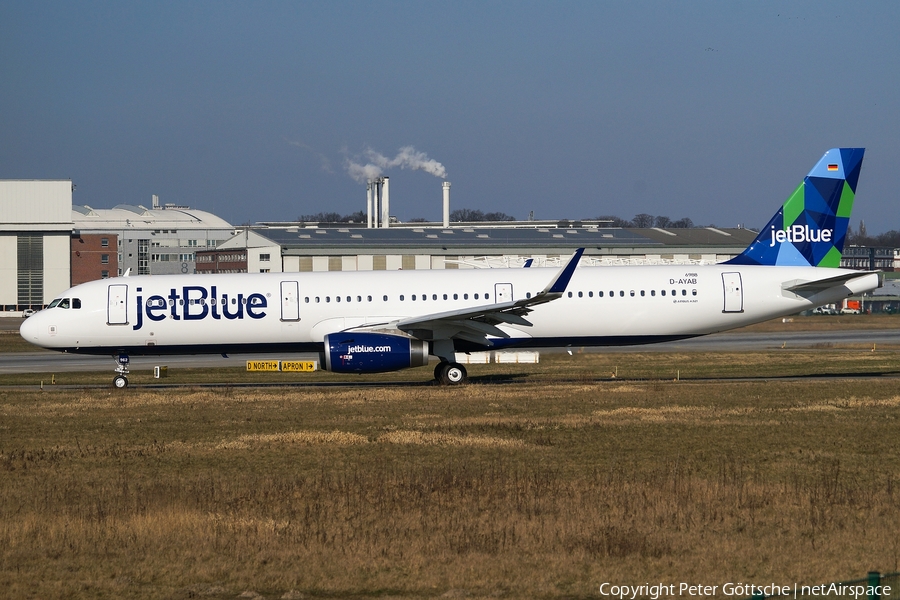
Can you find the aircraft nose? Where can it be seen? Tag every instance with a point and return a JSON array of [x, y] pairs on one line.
[[30, 330]]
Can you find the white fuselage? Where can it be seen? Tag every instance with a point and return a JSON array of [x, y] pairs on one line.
[[282, 311]]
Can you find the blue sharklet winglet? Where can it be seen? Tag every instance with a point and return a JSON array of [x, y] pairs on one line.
[[561, 281]]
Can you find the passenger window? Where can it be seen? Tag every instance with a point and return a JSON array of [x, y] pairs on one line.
[[663, 292], [465, 296], [590, 294], [632, 293], [317, 299], [642, 292], [337, 298], [369, 298], [599, 294], [652, 292], [684, 292], [434, 297], [674, 292], [445, 296], [413, 296], [401, 297], [349, 299], [528, 294], [476, 296], [570, 294], [384, 298], [327, 298], [486, 296], [693, 293], [580, 295], [359, 298], [306, 299], [456, 296]]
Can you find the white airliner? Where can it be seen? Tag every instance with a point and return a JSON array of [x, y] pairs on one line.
[[376, 321]]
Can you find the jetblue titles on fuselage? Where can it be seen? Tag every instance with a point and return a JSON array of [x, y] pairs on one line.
[[196, 303]]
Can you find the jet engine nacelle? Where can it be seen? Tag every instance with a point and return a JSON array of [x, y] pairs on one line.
[[353, 352]]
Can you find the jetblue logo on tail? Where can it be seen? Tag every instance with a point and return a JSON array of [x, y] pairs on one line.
[[811, 226], [800, 233]]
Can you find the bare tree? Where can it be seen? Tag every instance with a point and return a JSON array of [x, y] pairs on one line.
[[643, 220]]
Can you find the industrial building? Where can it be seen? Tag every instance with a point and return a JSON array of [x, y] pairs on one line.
[[432, 246]]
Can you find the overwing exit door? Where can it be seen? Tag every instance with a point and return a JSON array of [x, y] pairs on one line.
[[503, 292], [290, 301]]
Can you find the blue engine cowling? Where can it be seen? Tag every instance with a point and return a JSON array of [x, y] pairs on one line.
[[353, 352]]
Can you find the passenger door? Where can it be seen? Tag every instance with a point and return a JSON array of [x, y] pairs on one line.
[[734, 293], [117, 307]]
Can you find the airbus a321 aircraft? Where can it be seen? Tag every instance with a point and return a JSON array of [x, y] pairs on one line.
[[376, 321]]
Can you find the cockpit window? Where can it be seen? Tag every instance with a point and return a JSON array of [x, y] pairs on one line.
[[64, 303], [55, 303], [76, 302]]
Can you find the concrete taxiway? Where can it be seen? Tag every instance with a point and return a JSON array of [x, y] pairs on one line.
[[53, 362]]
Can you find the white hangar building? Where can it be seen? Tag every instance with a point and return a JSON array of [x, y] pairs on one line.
[[35, 228]]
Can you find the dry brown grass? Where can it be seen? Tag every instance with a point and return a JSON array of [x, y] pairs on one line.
[[533, 490]]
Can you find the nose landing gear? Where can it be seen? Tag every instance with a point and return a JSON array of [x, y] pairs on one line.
[[121, 379]]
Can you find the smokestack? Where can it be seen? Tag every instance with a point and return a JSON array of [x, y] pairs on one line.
[[446, 186], [369, 191], [385, 202]]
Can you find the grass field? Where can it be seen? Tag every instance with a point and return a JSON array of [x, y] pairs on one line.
[[538, 481]]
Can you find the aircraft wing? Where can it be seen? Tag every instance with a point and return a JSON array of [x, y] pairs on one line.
[[475, 324]]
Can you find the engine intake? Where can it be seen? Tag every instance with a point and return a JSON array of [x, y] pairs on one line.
[[351, 352]]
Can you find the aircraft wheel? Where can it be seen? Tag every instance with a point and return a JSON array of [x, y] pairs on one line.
[[439, 370], [453, 374], [120, 381]]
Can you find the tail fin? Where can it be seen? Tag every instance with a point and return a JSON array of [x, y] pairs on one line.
[[810, 228]]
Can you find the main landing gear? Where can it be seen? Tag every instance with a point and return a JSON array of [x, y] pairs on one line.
[[121, 379], [450, 373]]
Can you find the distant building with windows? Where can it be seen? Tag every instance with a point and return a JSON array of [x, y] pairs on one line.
[[162, 240], [868, 258]]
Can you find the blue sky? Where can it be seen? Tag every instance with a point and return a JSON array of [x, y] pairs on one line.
[[256, 110]]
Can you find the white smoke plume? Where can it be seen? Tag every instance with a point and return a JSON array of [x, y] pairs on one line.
[[407, 158]]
